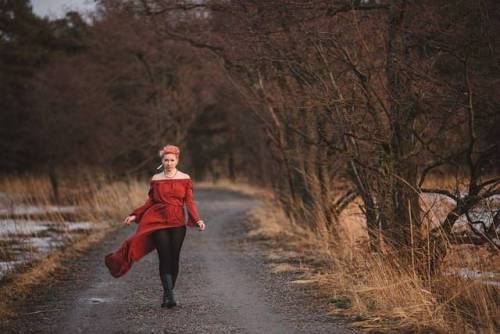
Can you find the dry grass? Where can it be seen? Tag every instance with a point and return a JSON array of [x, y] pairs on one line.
[[103, 203], [379, 288], [114, 201]]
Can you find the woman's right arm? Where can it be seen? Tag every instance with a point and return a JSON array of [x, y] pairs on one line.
[[138, 212]]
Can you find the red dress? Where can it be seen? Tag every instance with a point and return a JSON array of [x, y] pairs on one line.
[[164, 208]]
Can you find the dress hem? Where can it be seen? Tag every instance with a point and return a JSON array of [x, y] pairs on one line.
[[120, 261]]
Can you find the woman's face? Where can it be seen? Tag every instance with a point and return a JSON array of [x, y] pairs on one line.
[[169, 161]]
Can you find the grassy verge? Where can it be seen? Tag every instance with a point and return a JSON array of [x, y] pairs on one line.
[[381, 292], [102, 204]]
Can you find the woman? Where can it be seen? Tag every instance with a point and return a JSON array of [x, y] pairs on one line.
[[161, 224]]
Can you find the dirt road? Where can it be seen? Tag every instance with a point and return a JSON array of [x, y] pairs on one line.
[[224, 286]]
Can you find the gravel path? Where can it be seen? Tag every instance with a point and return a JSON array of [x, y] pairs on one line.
[[224, 286]]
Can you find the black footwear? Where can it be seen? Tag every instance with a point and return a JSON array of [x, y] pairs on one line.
[[168, 291]]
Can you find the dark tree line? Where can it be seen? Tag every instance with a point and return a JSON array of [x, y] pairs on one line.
[[108, 93]]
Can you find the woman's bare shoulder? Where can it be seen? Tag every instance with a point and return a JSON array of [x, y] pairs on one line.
[[157, 176], [182, 175]]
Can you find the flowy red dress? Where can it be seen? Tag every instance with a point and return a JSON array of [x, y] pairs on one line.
[[164, 208]]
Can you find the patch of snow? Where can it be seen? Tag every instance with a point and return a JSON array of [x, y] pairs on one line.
[[477, 214], [79, 225], [436, 207], [44, 244], [495, 283], [30, 239], [28, 226], [485, 277], [22, 226], [27, 246], [496, 241], [6, 266], [31, 209], [469, 273]]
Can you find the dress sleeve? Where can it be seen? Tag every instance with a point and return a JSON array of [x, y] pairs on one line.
[[193, 214], [138, 212]]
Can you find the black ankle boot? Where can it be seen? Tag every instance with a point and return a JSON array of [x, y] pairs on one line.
[[168, 291]]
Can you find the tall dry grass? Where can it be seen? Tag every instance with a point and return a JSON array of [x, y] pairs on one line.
[[103, 203], [382, 291]]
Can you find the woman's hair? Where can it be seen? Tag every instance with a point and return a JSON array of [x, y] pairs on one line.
[[169, 149]]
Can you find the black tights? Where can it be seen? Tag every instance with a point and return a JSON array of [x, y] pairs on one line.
[[168, 243]]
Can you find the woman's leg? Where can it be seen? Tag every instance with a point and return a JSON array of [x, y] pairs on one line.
[[163, 246], [168, 243], [162, 242], [176, 239]]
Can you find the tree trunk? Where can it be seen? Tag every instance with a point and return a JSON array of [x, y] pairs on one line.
[[399, 203], [54, 181]]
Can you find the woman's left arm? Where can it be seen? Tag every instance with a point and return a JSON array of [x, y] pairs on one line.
[[193, 214]]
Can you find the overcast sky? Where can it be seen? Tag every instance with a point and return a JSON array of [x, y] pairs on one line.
[[57, 8]]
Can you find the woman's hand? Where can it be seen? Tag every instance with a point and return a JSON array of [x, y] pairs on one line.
[[201, 225], [129, 220]]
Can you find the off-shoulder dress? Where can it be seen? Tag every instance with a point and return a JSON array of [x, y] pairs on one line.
[[164, 208]]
